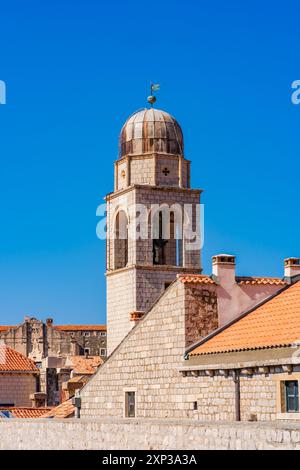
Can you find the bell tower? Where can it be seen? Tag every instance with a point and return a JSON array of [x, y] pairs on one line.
[[151, 184]]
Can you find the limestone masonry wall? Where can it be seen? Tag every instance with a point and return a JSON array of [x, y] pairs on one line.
[[148, 361], [16, 389], [120, 301], [201, 313], [150, 285], [152, 435]]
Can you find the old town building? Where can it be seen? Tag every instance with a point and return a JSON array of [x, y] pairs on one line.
[[251, 367], [37, 339], [160, 306], [56, 351], [18, 378]]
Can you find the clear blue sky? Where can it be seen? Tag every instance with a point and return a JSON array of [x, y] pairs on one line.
[[76, 69]]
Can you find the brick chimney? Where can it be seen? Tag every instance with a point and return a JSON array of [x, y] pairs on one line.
[[223, 268], [291, 267]]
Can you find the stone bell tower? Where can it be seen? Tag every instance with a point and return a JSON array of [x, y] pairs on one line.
[[151, 171]]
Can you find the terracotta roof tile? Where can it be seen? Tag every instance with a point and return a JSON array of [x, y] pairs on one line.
[[261, 281], [84, 365], [275, 323], [78, 379], [80, 327], [11, 360], [18, 412], [195, 279], [64, 410], [6, 328]]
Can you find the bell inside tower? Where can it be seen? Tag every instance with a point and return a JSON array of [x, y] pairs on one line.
[[167, 245]]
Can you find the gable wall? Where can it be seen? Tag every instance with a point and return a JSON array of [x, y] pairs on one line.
[[147, 361]]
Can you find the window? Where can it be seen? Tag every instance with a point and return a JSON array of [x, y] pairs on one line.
[[86, 333], [103, 333], [102, 352], [86, 351], [130, 404], [291, 396]]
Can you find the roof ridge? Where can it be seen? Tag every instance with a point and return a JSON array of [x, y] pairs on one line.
[[83, 325], [259, 277]]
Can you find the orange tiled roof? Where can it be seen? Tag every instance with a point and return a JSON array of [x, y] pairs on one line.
[[275, 323], [195, 279], [246, 280], [6, 328], [64, 410], [11, 360], [84, 365], [80, 327], [18, 412], [78, 379], [276, 281]]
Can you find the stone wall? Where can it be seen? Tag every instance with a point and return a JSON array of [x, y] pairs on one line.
[[151, 284], [16, 389], [167, 171], [121, 301], [148, 361], [201, 314], [151, 169], [264, 388], [104, 434], [36, 340], [142, 170]]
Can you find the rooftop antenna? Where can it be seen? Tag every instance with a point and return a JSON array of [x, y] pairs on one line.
[[153, 87]]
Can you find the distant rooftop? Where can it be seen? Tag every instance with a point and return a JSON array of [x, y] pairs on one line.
[[80, 327], [4, 328]]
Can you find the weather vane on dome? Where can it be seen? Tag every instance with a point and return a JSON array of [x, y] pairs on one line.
[[152, 98]]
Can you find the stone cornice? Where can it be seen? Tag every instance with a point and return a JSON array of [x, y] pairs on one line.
[[120, 192], [148, 155], [154, 268]]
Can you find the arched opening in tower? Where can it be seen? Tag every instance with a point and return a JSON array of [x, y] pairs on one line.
[[121, 240], [167, 241]]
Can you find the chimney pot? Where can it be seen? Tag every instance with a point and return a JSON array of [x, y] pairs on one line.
[[223, 267], [291, 267]]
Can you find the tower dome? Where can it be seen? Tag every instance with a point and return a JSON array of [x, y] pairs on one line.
[[151, 130]]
